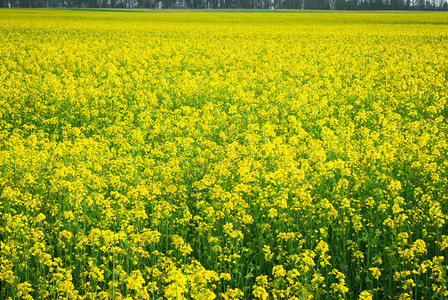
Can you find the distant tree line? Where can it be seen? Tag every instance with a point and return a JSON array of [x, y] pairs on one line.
[[249, 4]]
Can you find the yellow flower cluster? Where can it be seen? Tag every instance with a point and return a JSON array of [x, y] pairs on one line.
[[223, 155]]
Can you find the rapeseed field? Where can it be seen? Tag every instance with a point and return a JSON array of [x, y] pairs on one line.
[[188, 155]]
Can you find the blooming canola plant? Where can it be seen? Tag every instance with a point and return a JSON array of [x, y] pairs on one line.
[[223, 155]]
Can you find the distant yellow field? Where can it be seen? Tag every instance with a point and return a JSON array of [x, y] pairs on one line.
[[192, 155]]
